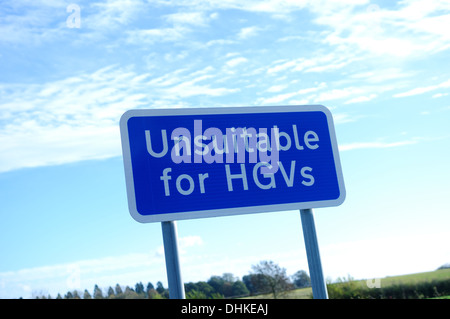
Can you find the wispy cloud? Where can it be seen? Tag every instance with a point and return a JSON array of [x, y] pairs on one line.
[[28, 23], [189, 18], [437, 95], [77, 118], [236, 61], [281, 98], [277, 88], [125, 269], [364, 98], [382, 75], [365, 145], [151, 36], [183, 244], [248, 32], [425, 89], [258, 6], [66, 120], [85, 274], [406, 253], [111, 13], [314, 64], [357, 26], [177, 61]]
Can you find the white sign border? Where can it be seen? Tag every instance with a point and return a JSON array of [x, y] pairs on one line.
[[224, 211]]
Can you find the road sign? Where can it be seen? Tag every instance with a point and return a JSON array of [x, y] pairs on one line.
[[207, 162]]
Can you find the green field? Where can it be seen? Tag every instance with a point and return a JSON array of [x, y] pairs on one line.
[[431, 276], [303, 293], [414, 278]]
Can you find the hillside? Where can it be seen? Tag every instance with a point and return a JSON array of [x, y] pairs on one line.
[[402, 283]]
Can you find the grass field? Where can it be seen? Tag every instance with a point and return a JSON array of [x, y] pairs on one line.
[[303, 293], [306, 293], [414, 278]]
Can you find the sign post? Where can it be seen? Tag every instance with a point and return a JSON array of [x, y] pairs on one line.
[[170, 239], [318, 284], [208, 162]]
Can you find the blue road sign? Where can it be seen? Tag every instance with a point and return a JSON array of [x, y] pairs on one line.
[[207, 162]]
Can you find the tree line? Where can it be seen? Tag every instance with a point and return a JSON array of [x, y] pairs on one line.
[[266, 277]]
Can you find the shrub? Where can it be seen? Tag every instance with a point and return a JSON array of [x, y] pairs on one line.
[[349, 289]]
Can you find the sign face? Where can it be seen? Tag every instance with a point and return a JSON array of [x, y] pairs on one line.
[[208, 162]]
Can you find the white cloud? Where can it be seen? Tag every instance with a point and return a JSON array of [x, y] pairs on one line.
[[426, 89], [276, 88], [63, 120], [360, 99], [189, 88], [266, 6], [190, 18], [248, 32], [317, 63], [32, 144], [111, 13], [28, 22], [236, 61], [365, 259], [125, 269], [280, 98], [190, 241], [381, 75], [77, 118], [341, 118], [336, 94], [364, 145], [183, 243], [437, 95], [414, 28], [151, 36], [80, 275], [283, 66]]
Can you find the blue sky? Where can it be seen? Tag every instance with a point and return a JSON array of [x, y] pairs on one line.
[[381, 67]]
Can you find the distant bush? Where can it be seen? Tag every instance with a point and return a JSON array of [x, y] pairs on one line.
[[420, 290]]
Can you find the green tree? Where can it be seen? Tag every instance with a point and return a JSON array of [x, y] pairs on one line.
[[223, 285], [256, 283], [216, 282], [68, 295], [196, 294], [139, 288], [97, 293], [228, 280], [86, 294], [110, 292], [205, 288], [229, 277], [190, 286], [301, 279], [118, 290], [130, 293], [199, 290], [444, 266], [153, 294], [273, 277], [239, 289], [160, 287]]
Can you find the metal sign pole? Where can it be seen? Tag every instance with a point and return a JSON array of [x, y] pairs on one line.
[[318, 284], [176, 286]]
